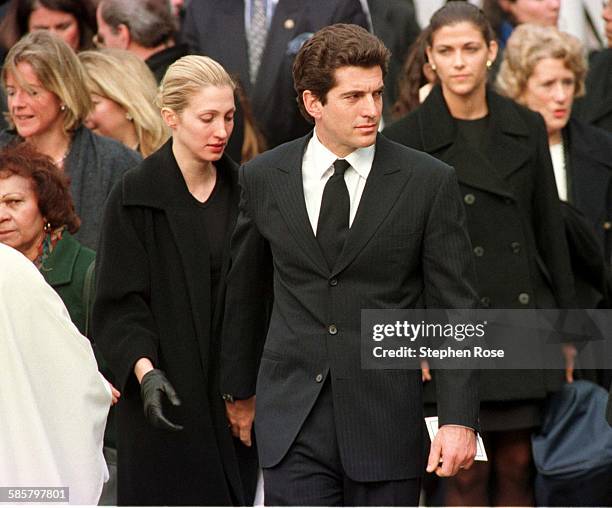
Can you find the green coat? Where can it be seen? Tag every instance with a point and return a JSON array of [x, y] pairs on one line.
[[65, 271]]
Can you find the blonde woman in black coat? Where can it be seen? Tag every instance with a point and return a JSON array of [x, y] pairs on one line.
[[544, 69], [161, 267], [500, 153]]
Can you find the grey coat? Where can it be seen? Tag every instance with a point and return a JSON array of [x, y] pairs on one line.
[[94, 164]]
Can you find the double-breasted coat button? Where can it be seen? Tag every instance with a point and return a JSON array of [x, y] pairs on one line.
[[485, 301], [469, 199], [333, 282], [516, 247], [319, 378], [523, 298], [332, 329], [478, 251]]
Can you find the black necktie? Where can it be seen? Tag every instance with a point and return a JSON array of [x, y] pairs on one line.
[[333, 224]]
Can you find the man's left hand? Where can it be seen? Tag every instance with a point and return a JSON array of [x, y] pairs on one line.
[[453, 448]]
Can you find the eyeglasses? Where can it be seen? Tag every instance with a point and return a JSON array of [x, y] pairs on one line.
[[98, 41]]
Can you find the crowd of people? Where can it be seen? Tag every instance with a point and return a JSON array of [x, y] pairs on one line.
[[160, 170]]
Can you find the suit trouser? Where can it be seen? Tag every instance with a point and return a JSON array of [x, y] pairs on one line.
[[311, 473]]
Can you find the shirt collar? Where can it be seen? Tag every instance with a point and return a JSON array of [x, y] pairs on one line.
[[360, 159]]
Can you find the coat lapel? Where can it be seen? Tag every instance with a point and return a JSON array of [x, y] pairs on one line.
[[501, 153], [166, 190], [384, 185], [288, 189]]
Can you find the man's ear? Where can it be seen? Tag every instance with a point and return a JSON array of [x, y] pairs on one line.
[[312, 104], [170, 118], [124, 36]]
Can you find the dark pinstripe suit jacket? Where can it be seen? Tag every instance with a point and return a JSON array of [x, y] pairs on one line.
[[407, 245]]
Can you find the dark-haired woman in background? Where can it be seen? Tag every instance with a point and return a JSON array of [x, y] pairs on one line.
[[71, 20], [500, 153], [417, 78], [37, 218]]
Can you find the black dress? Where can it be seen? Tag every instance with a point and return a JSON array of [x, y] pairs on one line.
[[161, 266]]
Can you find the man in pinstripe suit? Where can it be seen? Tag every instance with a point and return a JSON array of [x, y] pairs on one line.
[[332, 223]]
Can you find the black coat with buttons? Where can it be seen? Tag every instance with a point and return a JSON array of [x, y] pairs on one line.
[[589, 166], [514, 218]]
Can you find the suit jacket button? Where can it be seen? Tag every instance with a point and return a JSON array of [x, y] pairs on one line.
[[485, 301], [516, 247], [333, 282], [523, 298], [469, 199], [332, 329], [479, 251], [319, 378]]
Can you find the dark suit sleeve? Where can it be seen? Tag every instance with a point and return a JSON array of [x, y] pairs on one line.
[[123, 326], [450, 281], [248, 302]]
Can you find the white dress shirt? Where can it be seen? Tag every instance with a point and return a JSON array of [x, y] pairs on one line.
[[317, 168]]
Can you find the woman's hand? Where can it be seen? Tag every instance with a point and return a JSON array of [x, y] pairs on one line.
[[116, 394], [425, 372]]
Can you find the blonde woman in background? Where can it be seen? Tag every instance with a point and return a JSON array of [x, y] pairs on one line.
[[122, 90], [544, 69], [48, 102]]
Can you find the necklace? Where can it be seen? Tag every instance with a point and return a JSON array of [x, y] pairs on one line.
[[60, 162]]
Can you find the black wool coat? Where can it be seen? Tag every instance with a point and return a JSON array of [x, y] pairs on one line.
[[513, 216], [589, 163], [153, 300]]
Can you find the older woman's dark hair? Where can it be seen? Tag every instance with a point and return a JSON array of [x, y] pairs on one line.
[[460, 12], [332, 47], [82, 10], [49, 183]]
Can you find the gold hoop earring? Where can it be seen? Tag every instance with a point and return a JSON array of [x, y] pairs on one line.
[[489, 64]]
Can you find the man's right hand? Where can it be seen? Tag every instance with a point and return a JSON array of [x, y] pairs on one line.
[[240, 415]]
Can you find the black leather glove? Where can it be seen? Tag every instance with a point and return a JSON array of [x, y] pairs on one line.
[[153, 384]]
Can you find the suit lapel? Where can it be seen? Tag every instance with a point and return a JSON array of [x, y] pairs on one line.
[[384, 185], [288, 188]]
